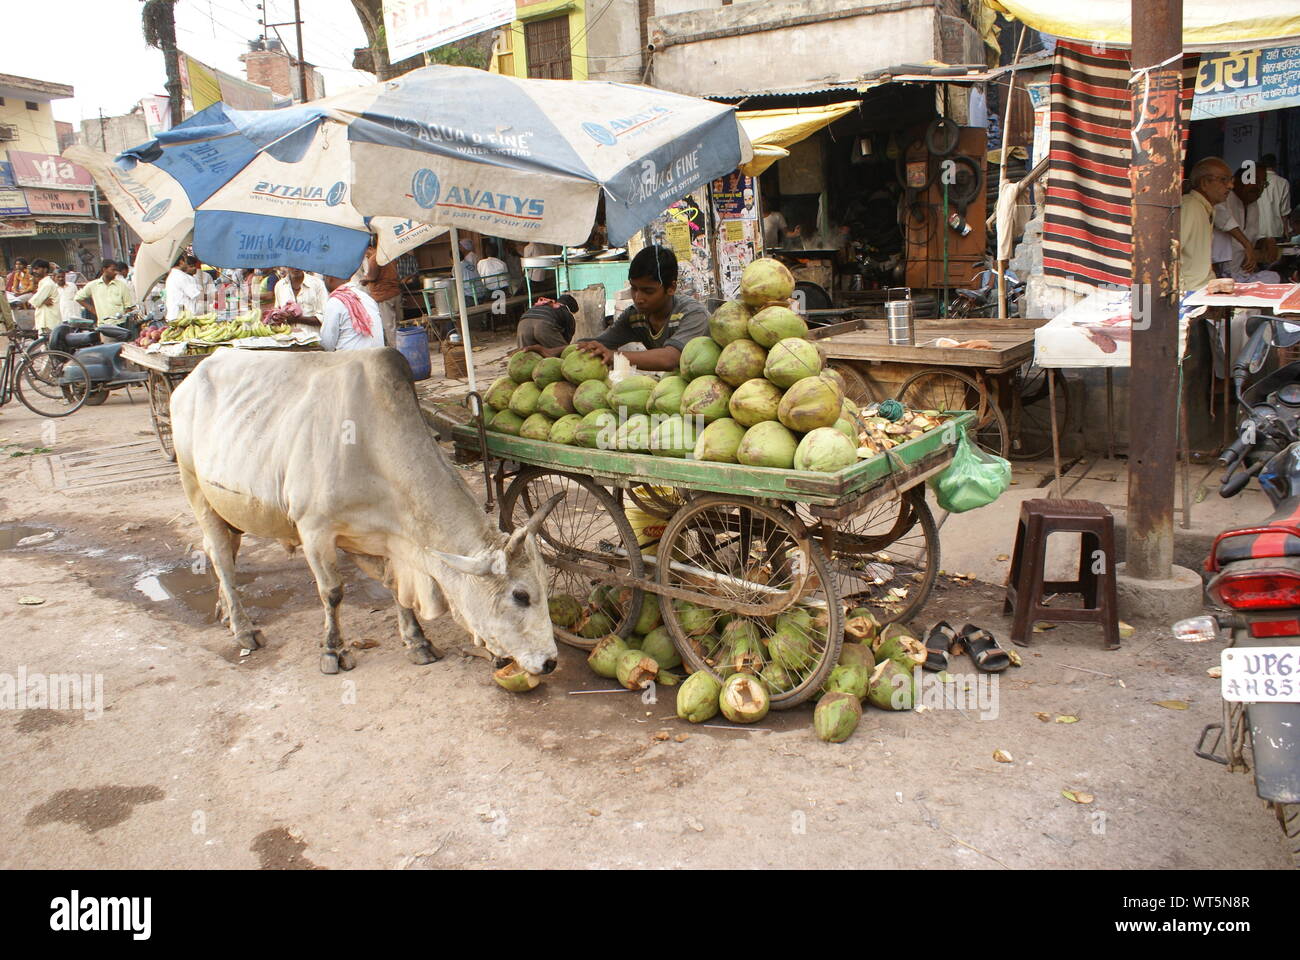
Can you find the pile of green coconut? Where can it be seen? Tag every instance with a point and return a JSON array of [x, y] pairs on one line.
[[755, 392]]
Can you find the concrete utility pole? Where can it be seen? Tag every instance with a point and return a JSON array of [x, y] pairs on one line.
[[302, 66], [1156, 175]]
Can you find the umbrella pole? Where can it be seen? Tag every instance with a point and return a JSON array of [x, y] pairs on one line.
[[464, 318]]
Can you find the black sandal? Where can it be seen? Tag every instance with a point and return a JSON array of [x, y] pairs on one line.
[[983, 649], [938, 642]]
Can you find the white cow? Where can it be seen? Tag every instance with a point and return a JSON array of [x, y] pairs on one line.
[[329, 451]]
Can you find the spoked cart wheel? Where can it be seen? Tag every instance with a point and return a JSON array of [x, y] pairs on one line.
[[585, 536], [1031, 412], [755, 571], [885, 558], [160, 409], [947, 390]]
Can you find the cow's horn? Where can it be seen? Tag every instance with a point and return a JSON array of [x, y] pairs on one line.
[[479, 566], [534, 523]]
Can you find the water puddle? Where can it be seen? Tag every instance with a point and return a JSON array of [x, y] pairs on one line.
[[17, 536], [197, 592]]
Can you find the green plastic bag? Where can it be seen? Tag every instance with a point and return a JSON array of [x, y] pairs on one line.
[[973, 479]]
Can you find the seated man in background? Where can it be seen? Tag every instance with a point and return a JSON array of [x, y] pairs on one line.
[[548, 324]]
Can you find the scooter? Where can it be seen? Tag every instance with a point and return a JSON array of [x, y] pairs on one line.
[[102, 360], [1255, 586]]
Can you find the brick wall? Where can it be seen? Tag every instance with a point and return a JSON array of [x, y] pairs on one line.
[[277, 70]]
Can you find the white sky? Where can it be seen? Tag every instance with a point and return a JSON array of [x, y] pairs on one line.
[[98, 47]]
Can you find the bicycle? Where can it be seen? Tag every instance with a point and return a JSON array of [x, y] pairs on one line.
[[49, 383]]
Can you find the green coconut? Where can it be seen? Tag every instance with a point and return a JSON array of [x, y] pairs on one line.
[[634, 641], [776, 678], [565, 429], [767, 444], [791, 360], [755, 401], [848, 409], [666, 678], [861, 624], [792, 650], [697, 697], [599, 429], [766, 281], [580, 366], [744, 699], [548, 371], [810, 404], [498, 395], [659, 645], [507, 422], [796, 619], [564, 354], [903, 648], [521, 366], [837, 716], [523, 402], [740, 360], [730, 322], [590, 395], [858, 654], [537, 427], [565, 610], [849, 430], [706, 397], [650, 617], [667, 395], [634, 435], [699, 357], [825, 450], [557, 399], [598, 624], [604, 655], [515, 678], [673, 437], [632, 393], [892, 687], [635, 670], [848, 678], [607, 599], [694, 620], [719, 441], [745, 655], [772, 324]]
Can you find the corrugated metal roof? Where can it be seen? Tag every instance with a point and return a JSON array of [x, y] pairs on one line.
[[902, 73]]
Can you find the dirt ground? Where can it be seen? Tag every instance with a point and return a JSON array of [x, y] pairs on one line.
[[203, 758]]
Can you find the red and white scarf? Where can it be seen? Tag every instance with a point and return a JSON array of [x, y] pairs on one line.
[[356, 309]]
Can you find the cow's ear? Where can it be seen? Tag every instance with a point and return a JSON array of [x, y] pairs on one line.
[[479, 566]]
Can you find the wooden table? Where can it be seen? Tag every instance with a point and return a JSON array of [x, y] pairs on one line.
[[995, 382]]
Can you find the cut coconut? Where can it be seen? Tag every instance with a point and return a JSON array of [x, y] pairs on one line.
[[744, 699], [515, 678]]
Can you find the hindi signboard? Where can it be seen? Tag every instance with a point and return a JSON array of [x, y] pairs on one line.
[[414, 26], [1246, 81]]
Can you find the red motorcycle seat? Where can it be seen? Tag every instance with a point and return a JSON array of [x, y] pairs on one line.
[[1261, 546]]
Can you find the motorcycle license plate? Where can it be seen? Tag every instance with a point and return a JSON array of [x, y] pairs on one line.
[[1261, 674]]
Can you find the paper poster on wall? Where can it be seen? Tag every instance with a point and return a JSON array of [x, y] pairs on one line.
[[414, 26], [683, 229], [733, 197]]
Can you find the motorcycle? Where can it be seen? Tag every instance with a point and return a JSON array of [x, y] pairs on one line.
[[1255, 586], [99, 348]]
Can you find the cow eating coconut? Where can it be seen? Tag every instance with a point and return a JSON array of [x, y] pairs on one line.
[[329, 451]]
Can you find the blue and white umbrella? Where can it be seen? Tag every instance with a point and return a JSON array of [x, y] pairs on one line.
[[445, 146]]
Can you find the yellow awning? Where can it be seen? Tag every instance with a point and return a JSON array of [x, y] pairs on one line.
[[771, 131], [1206, 23]]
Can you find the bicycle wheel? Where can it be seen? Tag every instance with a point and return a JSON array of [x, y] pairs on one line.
[[885, 558], [587, 534], [52, 384], [1031, 412], [939, 389], [739, 554]]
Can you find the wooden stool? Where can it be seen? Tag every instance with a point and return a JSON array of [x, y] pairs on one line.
[[1026, 586]]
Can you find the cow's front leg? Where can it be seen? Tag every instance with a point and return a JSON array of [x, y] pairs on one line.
[[322, 557], [418, 648], [221, 542]]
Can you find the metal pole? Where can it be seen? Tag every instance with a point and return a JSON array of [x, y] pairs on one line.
[[1153, 382], [302, 67], [1002, 176], [464, 317]]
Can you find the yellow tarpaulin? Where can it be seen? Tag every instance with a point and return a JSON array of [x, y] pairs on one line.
[[771, 131], [1206, 23]]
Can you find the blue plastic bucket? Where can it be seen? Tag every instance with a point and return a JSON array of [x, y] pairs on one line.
[[413, 344]]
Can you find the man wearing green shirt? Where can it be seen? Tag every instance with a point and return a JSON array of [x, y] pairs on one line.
[[108, 295], [659, 319]]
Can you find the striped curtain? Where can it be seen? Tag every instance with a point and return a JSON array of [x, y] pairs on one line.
[[1087, 229]]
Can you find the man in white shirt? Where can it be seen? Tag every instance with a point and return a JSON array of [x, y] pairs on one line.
[[1234, 245], [1274, 200], [45, 301], [304, 289], [182, 290], [351, 320]]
